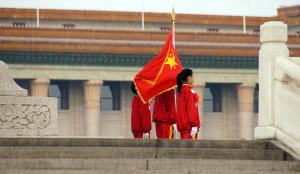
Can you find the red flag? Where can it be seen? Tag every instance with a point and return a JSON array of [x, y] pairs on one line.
[[159, 74]]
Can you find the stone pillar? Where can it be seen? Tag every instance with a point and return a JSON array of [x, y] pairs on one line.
[[199, 89], [273, 38], [246, 98], [39, 87], [92, 91]]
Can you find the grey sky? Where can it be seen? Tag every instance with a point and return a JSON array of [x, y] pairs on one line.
[[221, 7]]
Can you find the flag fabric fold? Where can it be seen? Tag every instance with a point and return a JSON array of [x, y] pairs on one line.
[[159, 74]]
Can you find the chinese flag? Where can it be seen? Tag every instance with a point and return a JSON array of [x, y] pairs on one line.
[[159, 74]]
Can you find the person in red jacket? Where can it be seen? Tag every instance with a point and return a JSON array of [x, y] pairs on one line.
[[164, 115], [140, 116], [188, 121]]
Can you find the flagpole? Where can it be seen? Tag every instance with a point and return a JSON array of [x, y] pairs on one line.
[[143, 18], [173, 40], [38, 17], [244, 18], [244, 24], [173, 25]]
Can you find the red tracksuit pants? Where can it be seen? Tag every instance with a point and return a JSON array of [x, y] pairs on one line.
[[164, 130], [188, 136], [139, 135]]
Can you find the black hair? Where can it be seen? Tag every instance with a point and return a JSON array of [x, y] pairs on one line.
[[133, 90], [182, 77]]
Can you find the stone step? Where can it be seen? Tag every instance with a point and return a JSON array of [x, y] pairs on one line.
[[241, 172], [139, 152], [71, 163], [26, 171], [105, 142], [151, 164], [232, 165]]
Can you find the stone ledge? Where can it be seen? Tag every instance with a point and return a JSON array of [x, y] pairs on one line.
[[67, 141]]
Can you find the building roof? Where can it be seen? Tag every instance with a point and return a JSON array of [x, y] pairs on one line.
[[131, 42], [84, 15], [127, 60], [36, 45], [289, 11]]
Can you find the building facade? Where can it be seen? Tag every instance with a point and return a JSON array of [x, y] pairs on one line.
[[87, 59]]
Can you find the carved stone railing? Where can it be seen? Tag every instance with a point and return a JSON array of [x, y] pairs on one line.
[[286, 68], [279, 89], [21, 115]]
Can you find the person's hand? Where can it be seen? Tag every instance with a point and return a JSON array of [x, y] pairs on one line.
[[194, 131], [146, 135], [174, 128]]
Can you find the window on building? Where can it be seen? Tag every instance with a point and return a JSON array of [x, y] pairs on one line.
[[25, 84], [256, 99], [256, 31], [60, 90], [69, 26], [164, 29], [212, 98], [111, 96], [212, 30], [18, 24]]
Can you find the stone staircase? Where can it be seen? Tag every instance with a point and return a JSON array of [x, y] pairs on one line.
[[128, 156]]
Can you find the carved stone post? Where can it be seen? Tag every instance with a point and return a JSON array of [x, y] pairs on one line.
[[21, 115]]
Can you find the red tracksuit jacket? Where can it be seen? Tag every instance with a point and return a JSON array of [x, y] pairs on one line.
[[140, 116], [187, 110], [164, 108]]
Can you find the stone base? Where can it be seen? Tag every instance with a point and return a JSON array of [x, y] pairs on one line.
[[28, 116], [265, 133]]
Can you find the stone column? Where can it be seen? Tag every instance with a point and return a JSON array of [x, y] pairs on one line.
[[92, 91], [273, 38], [199, 89], [39, 87], [246, 98]]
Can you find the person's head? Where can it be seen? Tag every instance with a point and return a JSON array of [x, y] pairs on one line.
[[185, 77], [133, 89]]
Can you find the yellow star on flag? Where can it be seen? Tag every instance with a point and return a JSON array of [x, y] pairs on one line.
[[171, 61]]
